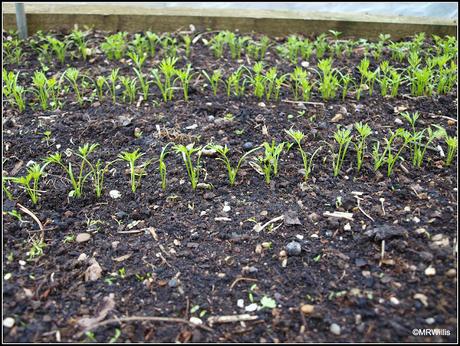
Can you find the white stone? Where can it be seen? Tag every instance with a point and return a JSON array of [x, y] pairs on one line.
[[114, 194], [394, 301], [192, 127], [8, 322], [251, 308], [195, 320], [430, 271], [335, 329]]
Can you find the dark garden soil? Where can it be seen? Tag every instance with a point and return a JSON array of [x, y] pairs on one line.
[[179, 249]]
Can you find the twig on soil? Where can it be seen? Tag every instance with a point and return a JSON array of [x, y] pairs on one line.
[[259, 228], [187, 309], [381, 202], [134, 230], [448, 118], [382, 253], [307, 103], [241, 279], [339, 214], [404, 168], [31, 214], [415, 191], [304, 323], [361, 209], [142, 318], [231, 318], [409, 97]]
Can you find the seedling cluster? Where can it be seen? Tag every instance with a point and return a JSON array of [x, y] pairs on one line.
[[265, 158], [390, 68]]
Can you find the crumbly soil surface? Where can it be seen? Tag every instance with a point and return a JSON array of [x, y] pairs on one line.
[[195, 254]]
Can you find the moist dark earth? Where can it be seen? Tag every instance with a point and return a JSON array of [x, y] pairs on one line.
[[196, 253]]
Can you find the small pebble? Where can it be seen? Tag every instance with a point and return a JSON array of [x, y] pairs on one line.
[[452, 272], [82, 237], [83, 257], [172, 283], [121, 214], [253, 269], [394, 301], [293, 248], [307, 309], [251, 308], [430, 271], [195, 320], [22, 262], [335, 329], [114, 194], [248, 146], [240, 303], [8, 322], [360, 262], [430, 320], [337, 118]]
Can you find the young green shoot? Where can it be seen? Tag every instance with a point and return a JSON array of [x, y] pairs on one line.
[[214, 80], [298, 136], [76, 181], [34, 173], [232, 171], [452, 144], [364, 131], [167, 69], [72, 74], [130, 88], [162, 165], [343, 138], [185, 75], [113, 83], [186, 152], [269, 162], [131, 158]]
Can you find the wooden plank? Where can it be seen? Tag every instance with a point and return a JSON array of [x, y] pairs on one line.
[[131, 18]]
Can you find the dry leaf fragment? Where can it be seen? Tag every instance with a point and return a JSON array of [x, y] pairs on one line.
[[108, 304], [94, 271], [122, 258]]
